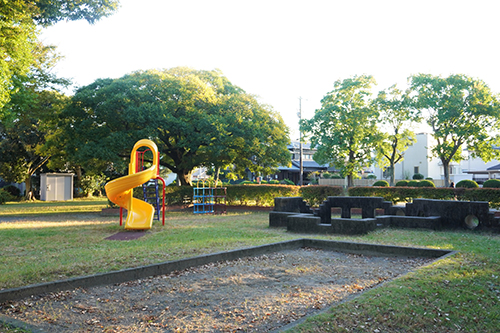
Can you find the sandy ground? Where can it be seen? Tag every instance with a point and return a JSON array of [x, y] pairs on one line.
[[255, 294]]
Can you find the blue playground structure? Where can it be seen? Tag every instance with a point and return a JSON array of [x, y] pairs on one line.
[[209, 200]]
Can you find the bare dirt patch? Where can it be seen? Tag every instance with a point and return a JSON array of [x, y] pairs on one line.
[[256, 294]]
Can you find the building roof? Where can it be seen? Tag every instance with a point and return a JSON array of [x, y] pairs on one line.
[[495, 167]]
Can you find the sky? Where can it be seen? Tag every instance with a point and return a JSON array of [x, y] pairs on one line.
[[280, 50]]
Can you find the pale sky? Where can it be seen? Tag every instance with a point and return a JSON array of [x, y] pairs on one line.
[[283, 50]]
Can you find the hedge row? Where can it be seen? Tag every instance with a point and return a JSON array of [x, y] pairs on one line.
[[315, 195], [407, 194], [261, 195]]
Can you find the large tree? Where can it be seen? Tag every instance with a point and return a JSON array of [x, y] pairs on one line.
[[19, 28], [32, 116], [396, 118], [344, 129], [196, 118], [462, 112]]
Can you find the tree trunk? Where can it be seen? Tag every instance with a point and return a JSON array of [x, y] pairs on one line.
[[446, 167], [392, 175], [216, 176], [27, 183], [184, 177], [350, 182]]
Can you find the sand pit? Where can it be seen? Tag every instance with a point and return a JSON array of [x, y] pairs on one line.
[[253, 294]]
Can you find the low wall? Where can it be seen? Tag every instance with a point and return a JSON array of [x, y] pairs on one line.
[[422, 213]]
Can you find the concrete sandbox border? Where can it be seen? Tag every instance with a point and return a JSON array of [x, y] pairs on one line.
[[170, 266]]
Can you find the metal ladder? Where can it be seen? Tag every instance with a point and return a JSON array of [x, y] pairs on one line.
[[151, 196]]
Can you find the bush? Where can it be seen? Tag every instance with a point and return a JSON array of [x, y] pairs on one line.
[[315, 195], [426, 183], [418, 176], [381, 183], [402, 183], [467, 183], [5, 196], [413, 183], [287, 182], [492, 183], [274, 182], [13, 191], [326, 175], [335, 176], [371, 176], [263, 195]]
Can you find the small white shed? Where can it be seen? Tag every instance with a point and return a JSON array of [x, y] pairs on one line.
[[56, 186]]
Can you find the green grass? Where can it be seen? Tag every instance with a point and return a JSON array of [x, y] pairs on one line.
[[81, 205], [460, 293]]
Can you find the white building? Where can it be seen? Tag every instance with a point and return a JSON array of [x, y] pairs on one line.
[[418, 159]]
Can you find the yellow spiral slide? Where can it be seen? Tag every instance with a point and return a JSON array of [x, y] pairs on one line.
[[120, 191]]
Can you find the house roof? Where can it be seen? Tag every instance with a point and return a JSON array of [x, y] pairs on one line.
[[296, 145], [495, 167]]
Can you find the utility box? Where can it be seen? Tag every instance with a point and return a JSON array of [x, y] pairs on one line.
[[56, 186]]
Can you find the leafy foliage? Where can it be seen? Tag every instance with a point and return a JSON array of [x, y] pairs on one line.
[[381, 183], [19, 32], [396, 118], [418, 176], [197, 118], [426, 183], [467, 183], [315, 195], [31, 118], [402, 183], [5, 196], [461, 111], [344, 129], [492, 183]]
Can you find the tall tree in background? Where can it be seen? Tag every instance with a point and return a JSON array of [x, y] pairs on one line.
[[396, 117], [19, 27], [344, 129], [462, 112], [196, 118], [32, 116]]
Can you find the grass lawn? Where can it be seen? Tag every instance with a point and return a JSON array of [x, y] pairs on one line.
[[50, 241]]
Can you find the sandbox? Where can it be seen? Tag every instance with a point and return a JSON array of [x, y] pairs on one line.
[[258, 289]]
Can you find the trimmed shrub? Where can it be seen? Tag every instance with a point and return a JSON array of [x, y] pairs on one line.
[[467, 183], [492, 183], [326, 175], [315, 195], [418, 176], [413, 183], [372, 176], [287, 182], [402, 183], [262, 195], [381, 183], [274, 182], [426, 183]]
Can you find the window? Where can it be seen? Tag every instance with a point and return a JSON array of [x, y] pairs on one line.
[[415, 170]]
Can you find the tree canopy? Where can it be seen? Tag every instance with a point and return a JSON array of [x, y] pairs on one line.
[[462, 112], [196, 118], [32, 117], [395, 120], [344, 129], [19, 21]]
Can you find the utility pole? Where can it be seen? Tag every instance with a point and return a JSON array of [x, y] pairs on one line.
[[301, 172]]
